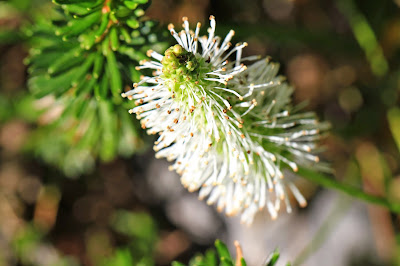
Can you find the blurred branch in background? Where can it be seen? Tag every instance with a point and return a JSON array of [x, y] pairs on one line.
[[329, 43], [335, 216], [372, 170], [393, 117], [353, 191], [325, 230], [365, 36]]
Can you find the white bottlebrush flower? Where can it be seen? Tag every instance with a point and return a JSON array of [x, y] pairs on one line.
[[227, 127]]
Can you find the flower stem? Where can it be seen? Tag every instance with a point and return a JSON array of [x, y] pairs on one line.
[[327, 182]]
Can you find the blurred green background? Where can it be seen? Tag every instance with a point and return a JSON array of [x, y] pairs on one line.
[[62, 206]]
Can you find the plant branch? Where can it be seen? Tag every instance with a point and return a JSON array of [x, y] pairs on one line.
[[365, 36], [337, 213], [331, 183]]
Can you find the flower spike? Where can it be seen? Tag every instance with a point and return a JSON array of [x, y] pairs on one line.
[[228, 127]]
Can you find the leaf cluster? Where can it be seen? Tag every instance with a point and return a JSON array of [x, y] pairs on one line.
[[81, 61], [223, 258]]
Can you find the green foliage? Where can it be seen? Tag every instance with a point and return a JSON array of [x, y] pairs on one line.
[[7, 35], [85, 58], [223, 258], [141, 231], [394, 123], [29, 247], [100, 129], [122, 257], [273, 259], [138, 226]]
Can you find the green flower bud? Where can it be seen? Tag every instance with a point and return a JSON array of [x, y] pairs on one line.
[[177, 49], [190, 66], [183, 67]]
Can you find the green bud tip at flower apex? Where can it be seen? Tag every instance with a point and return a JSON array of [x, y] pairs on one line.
[[181, 67], [230, 129]]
